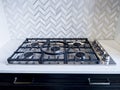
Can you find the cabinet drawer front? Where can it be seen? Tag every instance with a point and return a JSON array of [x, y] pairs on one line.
[[61, 81]]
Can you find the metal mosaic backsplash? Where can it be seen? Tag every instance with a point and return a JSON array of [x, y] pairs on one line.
[[93, 19]]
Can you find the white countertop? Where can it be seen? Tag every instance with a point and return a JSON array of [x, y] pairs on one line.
[[111, 46]]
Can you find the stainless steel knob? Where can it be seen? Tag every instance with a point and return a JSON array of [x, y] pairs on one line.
[[106, 59], [94, 43], [101, 53]]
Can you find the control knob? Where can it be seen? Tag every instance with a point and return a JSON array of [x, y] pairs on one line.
[[106, 58], [95, 43]]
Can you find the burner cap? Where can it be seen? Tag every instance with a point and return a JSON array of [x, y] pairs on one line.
[[56, 48], [76, 44], [80, 55], [28, 54]]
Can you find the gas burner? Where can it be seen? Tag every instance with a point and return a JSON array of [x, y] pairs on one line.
[[76, 44], [34, 44], [28, 54], [55, 48], [80, 55]]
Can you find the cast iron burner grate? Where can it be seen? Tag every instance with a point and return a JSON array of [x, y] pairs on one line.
[[55, 51]]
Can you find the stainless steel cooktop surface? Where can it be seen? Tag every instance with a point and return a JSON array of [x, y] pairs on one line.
[[75, 51]]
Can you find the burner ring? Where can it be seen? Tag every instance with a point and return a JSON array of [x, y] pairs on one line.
[[34, 44], [28, 54], [76, 44], [80, 55], [53, 50]]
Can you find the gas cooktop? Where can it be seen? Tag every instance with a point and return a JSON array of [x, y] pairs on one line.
[[75, 51]]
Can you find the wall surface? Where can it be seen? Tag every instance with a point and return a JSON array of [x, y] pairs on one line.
[[93, 19], [117, 34], [4, 33]]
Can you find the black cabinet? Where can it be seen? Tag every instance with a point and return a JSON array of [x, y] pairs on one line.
[[60, 81]]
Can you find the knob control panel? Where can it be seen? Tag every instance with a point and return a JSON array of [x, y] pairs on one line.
[[101, 53]]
